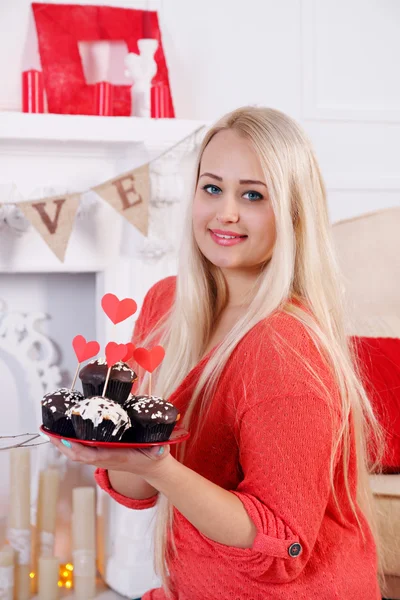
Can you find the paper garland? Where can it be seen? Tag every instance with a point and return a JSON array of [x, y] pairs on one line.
[[129, 194]]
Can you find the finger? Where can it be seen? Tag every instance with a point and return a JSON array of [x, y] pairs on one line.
[[57, 443], [76, 452], [155, 452]]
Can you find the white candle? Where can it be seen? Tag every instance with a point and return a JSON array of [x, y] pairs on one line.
[[19, 532], [49, 483], [49, 569], [84, 542], [7, 555]]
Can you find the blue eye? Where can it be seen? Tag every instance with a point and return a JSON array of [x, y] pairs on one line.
[[213, 190], [252, 196]]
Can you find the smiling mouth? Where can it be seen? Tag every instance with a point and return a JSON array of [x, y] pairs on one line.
[[227, 236]]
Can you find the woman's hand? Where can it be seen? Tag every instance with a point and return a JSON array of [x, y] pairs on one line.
[[142, 461]]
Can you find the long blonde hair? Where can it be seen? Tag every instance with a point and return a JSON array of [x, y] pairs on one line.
[[303, 266]]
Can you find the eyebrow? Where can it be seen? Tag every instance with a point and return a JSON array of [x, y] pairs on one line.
[[246, 181]]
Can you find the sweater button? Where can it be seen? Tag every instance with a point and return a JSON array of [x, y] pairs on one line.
[[295, 550]]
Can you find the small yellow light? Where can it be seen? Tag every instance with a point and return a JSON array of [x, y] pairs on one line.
[[66, 575], [32, 575]]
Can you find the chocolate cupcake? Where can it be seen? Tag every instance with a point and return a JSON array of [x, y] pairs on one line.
[[131, 400], [54, 408], [93, 377], [153, 419], [99, 419]]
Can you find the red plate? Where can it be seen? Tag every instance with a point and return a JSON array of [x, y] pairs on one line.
[[177, 436]]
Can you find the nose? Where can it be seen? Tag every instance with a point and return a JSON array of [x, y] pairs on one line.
[[228, 210]]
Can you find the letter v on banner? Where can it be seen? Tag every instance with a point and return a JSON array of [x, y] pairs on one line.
[[54, 219], [129, 195]]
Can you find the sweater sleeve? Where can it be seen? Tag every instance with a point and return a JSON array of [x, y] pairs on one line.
[[285, 447], [103, 481], [285, 434]]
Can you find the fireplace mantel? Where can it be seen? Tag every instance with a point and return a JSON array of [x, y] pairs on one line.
[[153, 133]]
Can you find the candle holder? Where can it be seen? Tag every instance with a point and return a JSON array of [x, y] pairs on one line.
[[32, 91], [104, 96], [159, 101]]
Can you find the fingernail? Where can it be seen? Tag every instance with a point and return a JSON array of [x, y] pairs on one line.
[[44, 436], [66, 443], [160, 450]]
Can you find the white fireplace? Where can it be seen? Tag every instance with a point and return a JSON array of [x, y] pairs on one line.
[[44, 303]]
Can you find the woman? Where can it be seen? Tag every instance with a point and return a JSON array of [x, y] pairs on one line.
[[270, 496]]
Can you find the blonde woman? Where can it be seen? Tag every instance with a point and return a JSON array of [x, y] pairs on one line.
[[269, 498]]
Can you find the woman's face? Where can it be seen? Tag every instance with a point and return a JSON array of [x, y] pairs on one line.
[[233, 222]]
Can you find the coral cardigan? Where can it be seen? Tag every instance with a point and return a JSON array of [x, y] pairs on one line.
[[267, 438]]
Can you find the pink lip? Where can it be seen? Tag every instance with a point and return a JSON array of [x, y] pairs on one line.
[[224, 242]]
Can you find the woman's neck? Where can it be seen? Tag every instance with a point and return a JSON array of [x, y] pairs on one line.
[[240, 286]]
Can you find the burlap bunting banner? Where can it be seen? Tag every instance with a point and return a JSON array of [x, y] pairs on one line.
[[129, 195], [54, 219]]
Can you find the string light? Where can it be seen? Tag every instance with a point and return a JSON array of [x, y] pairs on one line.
[[66, 576]]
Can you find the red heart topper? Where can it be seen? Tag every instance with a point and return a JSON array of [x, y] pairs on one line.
[[114, 353], [129, 351], [83, 349], [149, 359], [118, 310]]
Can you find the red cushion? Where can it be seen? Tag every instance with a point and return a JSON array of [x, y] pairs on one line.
[[380, 367]]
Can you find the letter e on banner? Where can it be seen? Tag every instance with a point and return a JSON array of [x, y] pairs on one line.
[[129, 194]]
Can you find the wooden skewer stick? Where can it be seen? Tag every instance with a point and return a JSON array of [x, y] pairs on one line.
[[75, 376], [106, 383]]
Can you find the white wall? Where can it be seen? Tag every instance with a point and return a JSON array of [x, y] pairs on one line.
[[332, 65]]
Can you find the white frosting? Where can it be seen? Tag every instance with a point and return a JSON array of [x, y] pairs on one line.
[[119, 366], [143, 404], [98, 361], [20, 540], [69, 397], [98, 409]]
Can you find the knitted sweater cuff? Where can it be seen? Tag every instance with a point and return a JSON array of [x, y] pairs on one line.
[[103, 481]]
